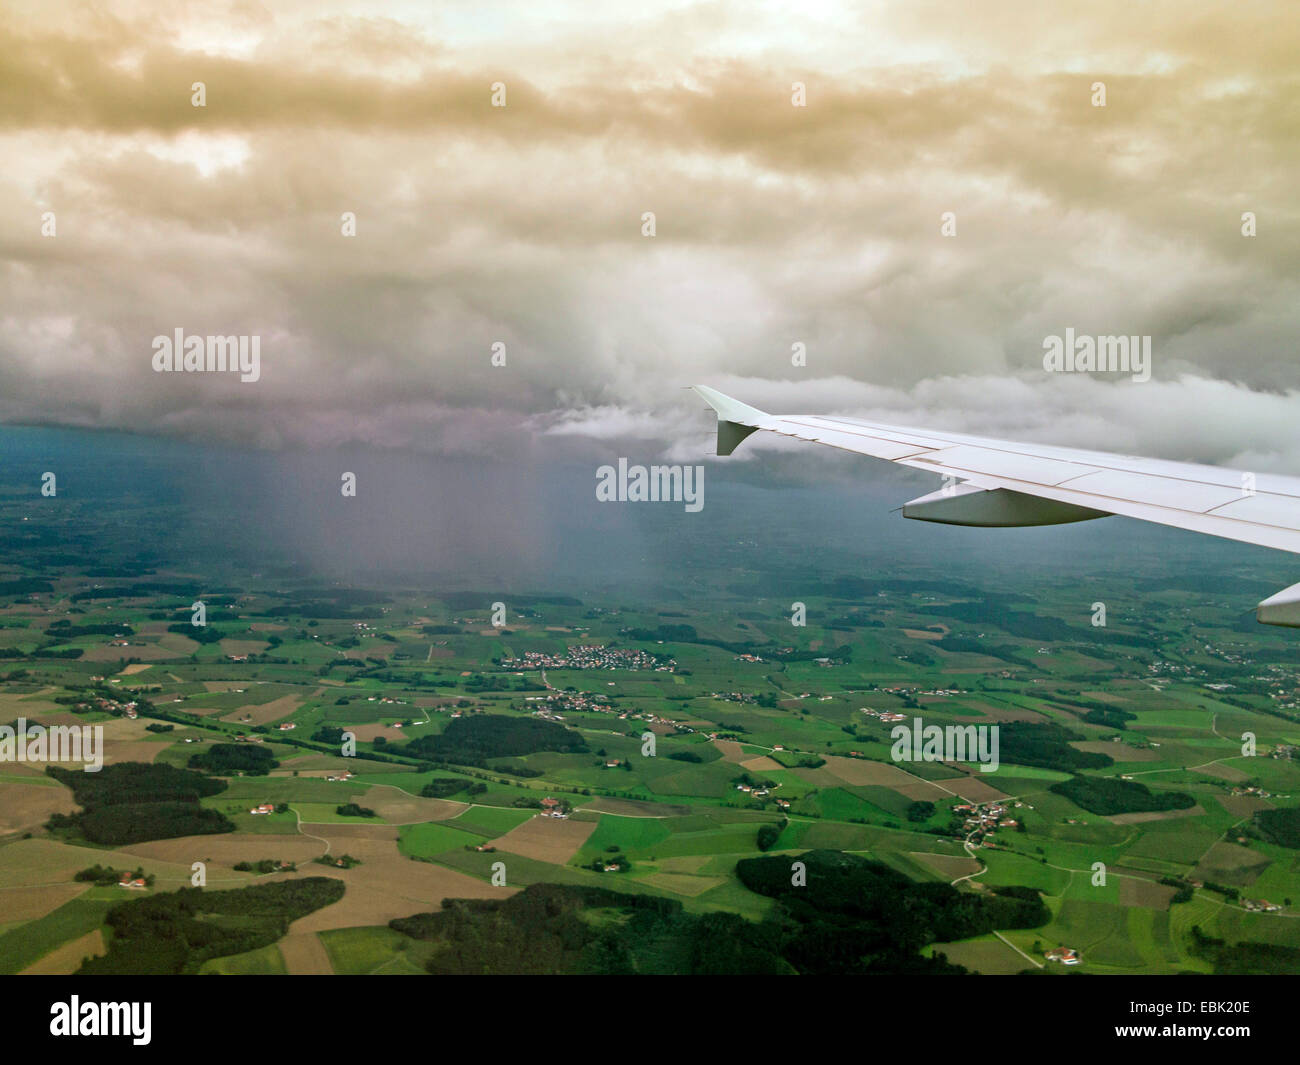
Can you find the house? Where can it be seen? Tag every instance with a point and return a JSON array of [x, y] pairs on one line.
[[1065, 955], [265, 808], [134, 883], [548, 802], [285, 726]]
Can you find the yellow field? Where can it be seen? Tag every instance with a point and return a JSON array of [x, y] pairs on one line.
[[67, 959], [24, 807], [546, 839]]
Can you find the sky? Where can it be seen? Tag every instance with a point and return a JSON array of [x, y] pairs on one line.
[[775, 225]]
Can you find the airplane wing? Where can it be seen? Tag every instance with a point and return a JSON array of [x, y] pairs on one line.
[[1004, 483]]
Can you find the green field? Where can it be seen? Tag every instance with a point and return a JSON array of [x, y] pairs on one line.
[[676, 667]]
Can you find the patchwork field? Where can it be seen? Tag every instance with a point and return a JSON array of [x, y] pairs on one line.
[[29, 805], [545, 839], [733, 780]]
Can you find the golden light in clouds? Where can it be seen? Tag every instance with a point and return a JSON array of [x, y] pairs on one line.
[[775, 224]]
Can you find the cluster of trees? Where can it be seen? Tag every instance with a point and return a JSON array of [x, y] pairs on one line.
[[541, 931], [79, 697], [1007, 652], [318, 609], [854, 916], [920, 810], [107, 876], [1105, 713], [1111, 795], [331, 734], [1109, 717], [63, 629], [42, 652], [446, 787], [797, 760], [137, 822], [473, 740], [137, 590], [517, 769], [200, 633], [24, 586], [343, 861], [855, 618], [1246, 958], [497, 682], [351, 809], [1280, 826], [227, 759], [1046, 746], [135, 782], [995, 611], [131, 802], [174, 933], [262, 865]]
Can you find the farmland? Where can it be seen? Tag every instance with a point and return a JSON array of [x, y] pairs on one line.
[[406, 745]]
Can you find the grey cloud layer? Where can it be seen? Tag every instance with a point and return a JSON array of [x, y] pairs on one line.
[[775, 224]]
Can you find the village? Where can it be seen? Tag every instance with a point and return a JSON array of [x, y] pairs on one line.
[[592, 656], [982, 820]]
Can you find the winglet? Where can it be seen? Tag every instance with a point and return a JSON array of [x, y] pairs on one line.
[[736, 420], [1281, 609]]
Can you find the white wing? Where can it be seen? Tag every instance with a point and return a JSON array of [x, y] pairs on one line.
[[1009, 483]]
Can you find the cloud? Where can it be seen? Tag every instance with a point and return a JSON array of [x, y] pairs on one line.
[[1165, 419], [775, 225]]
